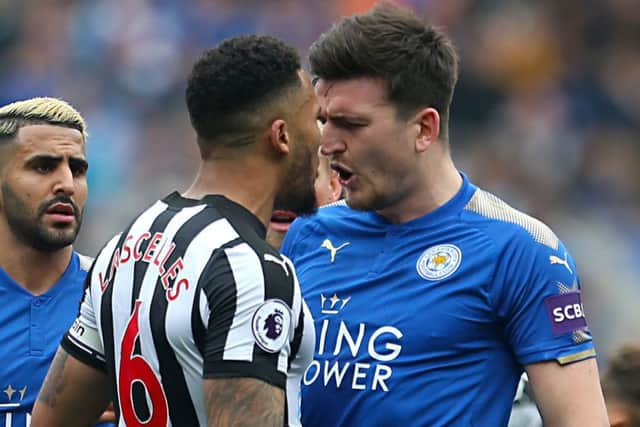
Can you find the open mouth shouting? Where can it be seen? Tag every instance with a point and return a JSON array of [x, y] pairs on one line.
[[345, 175]]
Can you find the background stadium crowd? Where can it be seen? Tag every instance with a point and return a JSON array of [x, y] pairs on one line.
[[546, 113]]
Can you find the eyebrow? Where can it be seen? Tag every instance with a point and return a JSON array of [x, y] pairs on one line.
[[48, 157], [348, 117]]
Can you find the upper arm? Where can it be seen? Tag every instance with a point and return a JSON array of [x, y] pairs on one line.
[[252, 307], [538, 299], [243, 402], [76, 389], [568, 395], [540, 304], [73, 394]]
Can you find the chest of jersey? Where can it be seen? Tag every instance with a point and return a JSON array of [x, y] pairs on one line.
[[31, 329], [390, 303]]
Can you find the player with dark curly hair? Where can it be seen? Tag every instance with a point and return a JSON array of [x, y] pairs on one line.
[[190, 318]]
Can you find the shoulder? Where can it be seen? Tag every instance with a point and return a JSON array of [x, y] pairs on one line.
[[337, 217], [85, 262], [505, 224], [334, 215]]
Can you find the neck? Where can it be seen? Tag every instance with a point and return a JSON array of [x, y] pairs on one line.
[[249, 182], [34, 270], [436, 185]]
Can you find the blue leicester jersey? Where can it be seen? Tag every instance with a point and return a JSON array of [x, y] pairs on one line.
[[430, 322], [31, 328]]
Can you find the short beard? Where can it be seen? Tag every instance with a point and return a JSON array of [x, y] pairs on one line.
[[298, 195], [26, 225]]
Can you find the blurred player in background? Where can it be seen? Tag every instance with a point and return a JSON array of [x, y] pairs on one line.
[[43, 180], [327, 190], [525, 411], [621, 386], [430, 295], [190, 317]]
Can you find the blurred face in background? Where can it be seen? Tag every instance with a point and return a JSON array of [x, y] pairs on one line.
[[44, 186], [327, 184]]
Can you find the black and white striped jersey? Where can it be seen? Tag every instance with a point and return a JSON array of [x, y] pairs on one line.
[[190, 290]]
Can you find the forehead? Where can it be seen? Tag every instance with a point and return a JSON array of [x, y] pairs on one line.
[[49, 139], [351, 95]]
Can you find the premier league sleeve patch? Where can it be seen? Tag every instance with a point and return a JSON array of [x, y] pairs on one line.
[[271, 325], [565, 312]]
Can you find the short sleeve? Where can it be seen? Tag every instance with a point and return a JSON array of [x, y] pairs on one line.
[[539, 302], [250, 316], [83, 341]]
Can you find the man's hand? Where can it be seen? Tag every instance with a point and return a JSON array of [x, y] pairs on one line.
[[109, 415]]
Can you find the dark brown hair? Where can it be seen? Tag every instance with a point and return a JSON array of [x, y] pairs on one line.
[[418, 62]]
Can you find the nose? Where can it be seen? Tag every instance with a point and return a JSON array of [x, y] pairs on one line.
[[65, 182], [331, 143]]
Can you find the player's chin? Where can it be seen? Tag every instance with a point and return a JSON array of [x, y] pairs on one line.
[[358, 201], [63, 235]]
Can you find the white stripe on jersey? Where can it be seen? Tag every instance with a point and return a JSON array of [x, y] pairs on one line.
[[246, 268], [88, 315], [122, 289], [85, 262], [178, 317], [283, 359], [147, 347], [299, 365], [204, 309]]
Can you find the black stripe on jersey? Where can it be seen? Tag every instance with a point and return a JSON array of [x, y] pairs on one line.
[[181, 410], [140, 268], [159, 224], [221, 290], [277, 285], [198, 328], [106, 320], [219, 272], [297, 337]]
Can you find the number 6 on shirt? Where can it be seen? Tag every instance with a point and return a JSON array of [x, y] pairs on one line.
[[134, 368]]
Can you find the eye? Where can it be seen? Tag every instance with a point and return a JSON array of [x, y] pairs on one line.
[[44, 166], [349, 125], [79, 168]]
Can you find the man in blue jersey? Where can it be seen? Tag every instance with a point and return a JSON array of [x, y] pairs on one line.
[[43, 192], [430, 295]]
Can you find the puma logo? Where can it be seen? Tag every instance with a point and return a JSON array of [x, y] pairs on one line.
[[332, 249], [274, 259], [556, 260]]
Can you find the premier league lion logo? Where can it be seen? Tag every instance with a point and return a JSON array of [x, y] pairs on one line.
[[273, 324]]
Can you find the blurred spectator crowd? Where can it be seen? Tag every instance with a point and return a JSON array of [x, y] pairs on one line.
[[546, 114]]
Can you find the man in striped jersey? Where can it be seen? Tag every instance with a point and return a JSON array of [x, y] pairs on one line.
[[190, 317]]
